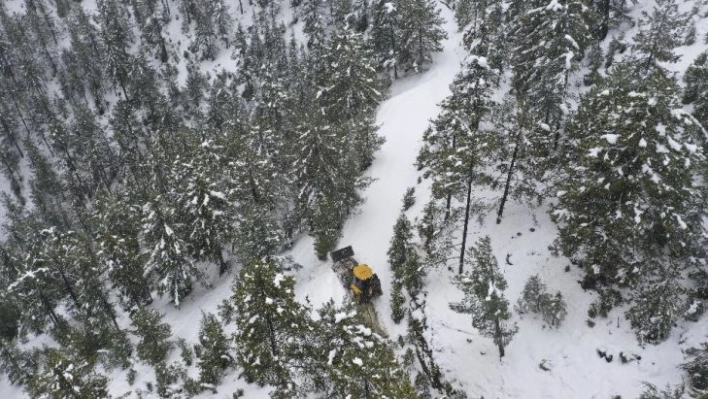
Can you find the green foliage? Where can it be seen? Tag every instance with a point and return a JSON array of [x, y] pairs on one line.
[[62, 376], [535, 298], [627, 203], [697, 367], [696, 91], [271, 324], [483, 286], [659, 33], [652, 392], [658, 304], [215, 357], [403, 258], [354, 360], [409, 199], [154, 336], [398, 301]]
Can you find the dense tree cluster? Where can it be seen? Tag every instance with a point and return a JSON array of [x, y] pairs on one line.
[[136, 174], [622, 167]]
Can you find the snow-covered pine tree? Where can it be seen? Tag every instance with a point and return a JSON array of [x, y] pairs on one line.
[[627, 208], [352, 86], [154, 336], [659, 33], [421, 30], [629, 198], [384, 34], [658, 303], [271, 324], [353, 361], [63, 375], [696, 91], [215, 356], [549, 42], [169, 262], [327, 179], [116, 36], [436, 230], [483, 286], [455, 148], [403, 257], [205, 207]]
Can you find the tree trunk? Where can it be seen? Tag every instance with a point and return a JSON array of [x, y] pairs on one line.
[[467, 221], [508, 180], [498, 337]]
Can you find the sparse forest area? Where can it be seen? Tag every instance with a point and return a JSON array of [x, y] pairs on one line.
[[153, 150]]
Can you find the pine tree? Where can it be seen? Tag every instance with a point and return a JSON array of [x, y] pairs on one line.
[[64, 376], [657, 305], [119, 249], [696, 92], [327, 178], [403, 257], [169, 260], [483, 287], [627, 205], [215, 357], [154, 334], [271, 324], [550, 41], [354, 361], [455, 148], [421, 32], [659, 33]]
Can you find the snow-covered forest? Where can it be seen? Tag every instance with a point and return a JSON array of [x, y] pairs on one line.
[[526, 177]]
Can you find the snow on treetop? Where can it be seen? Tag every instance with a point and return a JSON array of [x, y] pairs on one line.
[[278, 279], [554, 5], [611, 138], [358, 362], [389, 7]]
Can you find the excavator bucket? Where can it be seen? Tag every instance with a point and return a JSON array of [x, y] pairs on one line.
[[346, 252]]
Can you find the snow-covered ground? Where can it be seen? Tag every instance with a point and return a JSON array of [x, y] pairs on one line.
[[468, 360]]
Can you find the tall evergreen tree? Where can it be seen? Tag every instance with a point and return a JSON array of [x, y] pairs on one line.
[[271, 324], [355, 361], [659, 33], [421, 32], [483, 287], [215, 357], [627, 209]]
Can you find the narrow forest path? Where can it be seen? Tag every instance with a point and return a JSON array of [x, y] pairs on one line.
[[402, 118]]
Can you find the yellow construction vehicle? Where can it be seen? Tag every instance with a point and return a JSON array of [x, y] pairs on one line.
[[358, 277]]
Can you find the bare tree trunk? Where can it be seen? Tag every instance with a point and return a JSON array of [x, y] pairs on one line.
[[510, 172], [467, 221]]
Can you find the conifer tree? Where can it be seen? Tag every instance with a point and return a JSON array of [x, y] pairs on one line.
[[483, 286], [627, 205], [421, 32], [271, 324], [215, 357], [455, 147], [169, 263], [355, 361], [154, 335], [64, 376], [696, 92], [550, 41], [659, 33]]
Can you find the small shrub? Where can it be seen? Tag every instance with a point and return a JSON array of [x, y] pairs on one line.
[[535, 298], [409, 199], [185, 352], [652, 392]]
